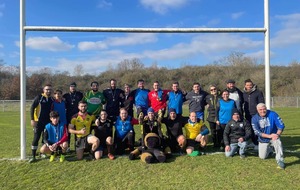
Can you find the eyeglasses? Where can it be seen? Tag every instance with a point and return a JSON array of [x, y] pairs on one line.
[[213, 89]]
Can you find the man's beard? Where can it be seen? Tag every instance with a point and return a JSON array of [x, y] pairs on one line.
[[95, 90]]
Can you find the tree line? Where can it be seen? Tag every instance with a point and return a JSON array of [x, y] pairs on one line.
[[285, 80]]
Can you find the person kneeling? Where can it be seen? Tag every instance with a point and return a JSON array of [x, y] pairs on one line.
[[55, 138], [236, 134], [196, 134]]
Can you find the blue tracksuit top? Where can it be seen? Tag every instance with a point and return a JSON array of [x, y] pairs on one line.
[[141, 98], [176, 101], [268, 125], [123, 127], [60, 107], [225, 110], [55, 133]]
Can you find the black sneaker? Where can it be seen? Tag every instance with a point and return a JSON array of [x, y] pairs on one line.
[[32, 160]]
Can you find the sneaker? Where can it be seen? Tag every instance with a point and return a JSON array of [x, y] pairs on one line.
[[32, 160], [281, 165], [68, 150], [52, 157], [62, 158], [242, 156], [111, 156], [43, 155], [194, 153]]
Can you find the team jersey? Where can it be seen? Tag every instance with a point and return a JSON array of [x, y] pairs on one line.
[[80, 122], [40, 109], [94, 101], [158, 99], [192, 130]]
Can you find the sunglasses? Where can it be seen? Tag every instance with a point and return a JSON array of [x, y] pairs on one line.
[[213, 89]]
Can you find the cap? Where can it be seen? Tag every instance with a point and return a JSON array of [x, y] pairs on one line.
[[234, 111], [73, 84], [150, 110], [230, 81], [172, 110]]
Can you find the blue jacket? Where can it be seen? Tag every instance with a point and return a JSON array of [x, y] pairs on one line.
[[175, 101], [268, 125], [123, 127], [141, 97]]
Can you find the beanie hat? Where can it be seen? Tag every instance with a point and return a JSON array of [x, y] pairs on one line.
[[150, 110], [172, 110], [234, 110]]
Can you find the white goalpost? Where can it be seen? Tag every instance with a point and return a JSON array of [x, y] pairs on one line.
[[24, 28]]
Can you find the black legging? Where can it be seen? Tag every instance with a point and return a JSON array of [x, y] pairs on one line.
[[213, 130], [220, 132], [126, 142]]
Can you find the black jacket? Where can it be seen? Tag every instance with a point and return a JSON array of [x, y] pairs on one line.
[[251, 99], [235, 130], [212, 101]]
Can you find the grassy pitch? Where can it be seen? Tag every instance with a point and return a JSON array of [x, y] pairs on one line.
[[211, 171]]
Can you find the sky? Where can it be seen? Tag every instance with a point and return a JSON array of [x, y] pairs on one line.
[[97, 52]]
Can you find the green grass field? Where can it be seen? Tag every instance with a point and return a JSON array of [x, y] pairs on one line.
[[211, 171]]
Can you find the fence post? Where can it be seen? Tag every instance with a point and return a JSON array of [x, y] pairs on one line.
[[272, 102]]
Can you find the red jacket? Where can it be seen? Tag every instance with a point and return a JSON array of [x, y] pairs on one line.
[[158, 102]]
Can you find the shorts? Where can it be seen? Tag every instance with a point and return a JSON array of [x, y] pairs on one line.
[[82, 142], [192, 143]]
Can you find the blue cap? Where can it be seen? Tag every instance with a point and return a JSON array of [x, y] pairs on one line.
[[150, 110]]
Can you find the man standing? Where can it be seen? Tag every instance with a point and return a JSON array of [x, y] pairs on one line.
[[94, 99], [252, 97], [236, 95], [268, 126], [81, 126], [114, 99], [236, 134], [128, 100], [158, 100], [71, 99], [176, 98], [197, 100], [140, 96], [39, 113]]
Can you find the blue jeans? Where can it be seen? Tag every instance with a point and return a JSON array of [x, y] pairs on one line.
[[200, 115], [234, 148]]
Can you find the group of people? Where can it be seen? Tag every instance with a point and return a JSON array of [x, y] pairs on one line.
[[103, 122]]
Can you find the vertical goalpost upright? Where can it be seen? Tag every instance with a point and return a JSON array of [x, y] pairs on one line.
[[24, 28]]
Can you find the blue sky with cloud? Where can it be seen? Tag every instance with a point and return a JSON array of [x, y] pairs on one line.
[[99, 51]]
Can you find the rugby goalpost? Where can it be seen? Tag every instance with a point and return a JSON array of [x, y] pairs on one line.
[[24, 28]]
